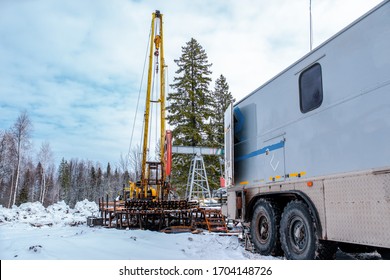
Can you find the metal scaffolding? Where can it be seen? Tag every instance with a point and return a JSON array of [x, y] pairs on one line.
[[197, 184]]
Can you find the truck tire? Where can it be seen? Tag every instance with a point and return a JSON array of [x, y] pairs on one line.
[[265, 228], [297, 232]]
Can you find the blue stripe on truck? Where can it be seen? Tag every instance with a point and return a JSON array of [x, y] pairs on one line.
[[261, 151]]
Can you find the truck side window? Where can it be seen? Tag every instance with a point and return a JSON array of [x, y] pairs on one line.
[[310, 88]]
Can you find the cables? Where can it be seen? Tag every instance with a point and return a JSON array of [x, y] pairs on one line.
[[139, 96]]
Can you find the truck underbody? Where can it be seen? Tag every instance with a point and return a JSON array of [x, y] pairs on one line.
[[310, 218]]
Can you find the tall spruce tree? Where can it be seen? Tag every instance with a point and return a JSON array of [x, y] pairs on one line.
[[26, 185], [64, 179], [189, 108], [222, 98]]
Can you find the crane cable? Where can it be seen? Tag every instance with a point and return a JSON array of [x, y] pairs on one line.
[[139, 96]]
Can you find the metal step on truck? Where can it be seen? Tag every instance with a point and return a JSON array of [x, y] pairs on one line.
[[307, 154]]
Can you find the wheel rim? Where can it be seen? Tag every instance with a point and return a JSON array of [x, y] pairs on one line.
[[298, 234], [263, 230]]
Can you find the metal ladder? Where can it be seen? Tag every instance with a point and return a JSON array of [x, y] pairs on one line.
[[215, 220]]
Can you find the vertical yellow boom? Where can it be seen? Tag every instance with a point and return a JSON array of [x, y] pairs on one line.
[[152, 175]]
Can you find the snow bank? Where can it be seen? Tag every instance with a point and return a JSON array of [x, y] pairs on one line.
[[33, 232], [35, 214]]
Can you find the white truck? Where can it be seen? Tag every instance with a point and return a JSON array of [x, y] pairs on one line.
[[307, 154]]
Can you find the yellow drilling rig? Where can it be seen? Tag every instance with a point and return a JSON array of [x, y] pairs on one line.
[[145, 204], [153, 182]]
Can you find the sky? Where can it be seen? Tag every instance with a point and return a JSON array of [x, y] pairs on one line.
[[76, 66]]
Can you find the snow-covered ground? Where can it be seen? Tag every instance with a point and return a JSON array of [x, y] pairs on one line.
[[58, 232], [32, 232], [32, 238]]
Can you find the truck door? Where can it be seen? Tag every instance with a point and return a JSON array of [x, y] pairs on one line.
[[229, 146]]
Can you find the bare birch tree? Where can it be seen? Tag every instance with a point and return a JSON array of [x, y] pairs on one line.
[[135, 158], [21, 132], [123, 164], [7, 163], [45, 157]]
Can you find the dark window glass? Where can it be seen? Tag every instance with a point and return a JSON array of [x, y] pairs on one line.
[[310, 88]]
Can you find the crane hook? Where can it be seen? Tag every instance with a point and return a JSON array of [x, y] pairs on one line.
[[157, 41]]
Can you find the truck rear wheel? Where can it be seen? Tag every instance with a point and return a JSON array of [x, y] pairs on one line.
[[265, 228], [297, 232]]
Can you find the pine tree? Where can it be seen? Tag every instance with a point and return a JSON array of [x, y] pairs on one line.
[[64, 180], [108, 170], [99, 185], [222, 98], [27, 183], [92, 183], [189, 110], [81, 181]]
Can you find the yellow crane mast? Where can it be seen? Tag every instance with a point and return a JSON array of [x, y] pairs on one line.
[[152, 173]]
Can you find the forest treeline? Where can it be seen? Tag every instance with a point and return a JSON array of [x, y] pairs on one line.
[[28, 177]]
